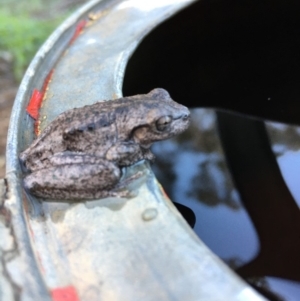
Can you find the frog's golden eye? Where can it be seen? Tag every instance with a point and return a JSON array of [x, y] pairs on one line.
[[163, 123]]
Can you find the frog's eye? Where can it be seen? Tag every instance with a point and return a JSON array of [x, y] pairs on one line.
[[163, 123]]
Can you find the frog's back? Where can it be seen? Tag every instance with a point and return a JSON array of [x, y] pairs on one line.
[[78, 129]]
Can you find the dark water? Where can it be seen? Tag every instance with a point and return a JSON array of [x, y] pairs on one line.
[[193, 171], [238, 176], [256, 240]]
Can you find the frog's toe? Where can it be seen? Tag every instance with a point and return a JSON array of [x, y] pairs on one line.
[[126, 194], [114, 193]]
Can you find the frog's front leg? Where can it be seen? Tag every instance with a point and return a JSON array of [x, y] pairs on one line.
[[127, 153], [75, 176]]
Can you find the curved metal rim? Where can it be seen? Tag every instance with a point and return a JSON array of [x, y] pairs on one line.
[[14, 203], [12, 161]]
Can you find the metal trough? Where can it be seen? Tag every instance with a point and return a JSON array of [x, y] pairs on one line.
[[109, 249]]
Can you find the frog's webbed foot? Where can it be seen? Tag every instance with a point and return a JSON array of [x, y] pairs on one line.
[[121, 188], [117, 193], [125, 182], [148, 155]]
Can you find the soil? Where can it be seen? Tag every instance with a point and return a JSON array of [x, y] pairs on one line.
[[8, 90]]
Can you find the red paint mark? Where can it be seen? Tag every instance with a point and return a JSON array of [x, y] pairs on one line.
[[37, 97], [79, 27], [34, 104], [67, 293]]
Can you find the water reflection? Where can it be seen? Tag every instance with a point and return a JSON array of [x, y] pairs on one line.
[[285, 135], [290, 290], [197, 158], [277, 289], [193, 171], [285, 140]]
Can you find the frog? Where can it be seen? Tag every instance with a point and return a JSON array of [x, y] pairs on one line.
[[82, 152]]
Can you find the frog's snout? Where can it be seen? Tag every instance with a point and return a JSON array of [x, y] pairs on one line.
[[183, 116], [186, 116]]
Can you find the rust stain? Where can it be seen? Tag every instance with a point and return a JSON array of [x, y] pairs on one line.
[[37, 128], [115, 96], [94, 16]]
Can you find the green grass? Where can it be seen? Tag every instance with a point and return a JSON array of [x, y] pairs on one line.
[[24, 26]]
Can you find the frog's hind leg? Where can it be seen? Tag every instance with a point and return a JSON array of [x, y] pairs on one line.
[[76, 181]]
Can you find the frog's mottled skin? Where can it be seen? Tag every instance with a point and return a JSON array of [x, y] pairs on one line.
[[80, 153]]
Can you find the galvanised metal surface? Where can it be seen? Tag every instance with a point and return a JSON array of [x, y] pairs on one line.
[[109, 249]]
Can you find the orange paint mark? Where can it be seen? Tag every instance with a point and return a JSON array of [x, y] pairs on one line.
[[46, 82], [37, 127], [79, 27], [67, 293]]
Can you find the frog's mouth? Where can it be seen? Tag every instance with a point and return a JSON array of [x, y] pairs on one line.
[[183, 117], [183, 120]]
